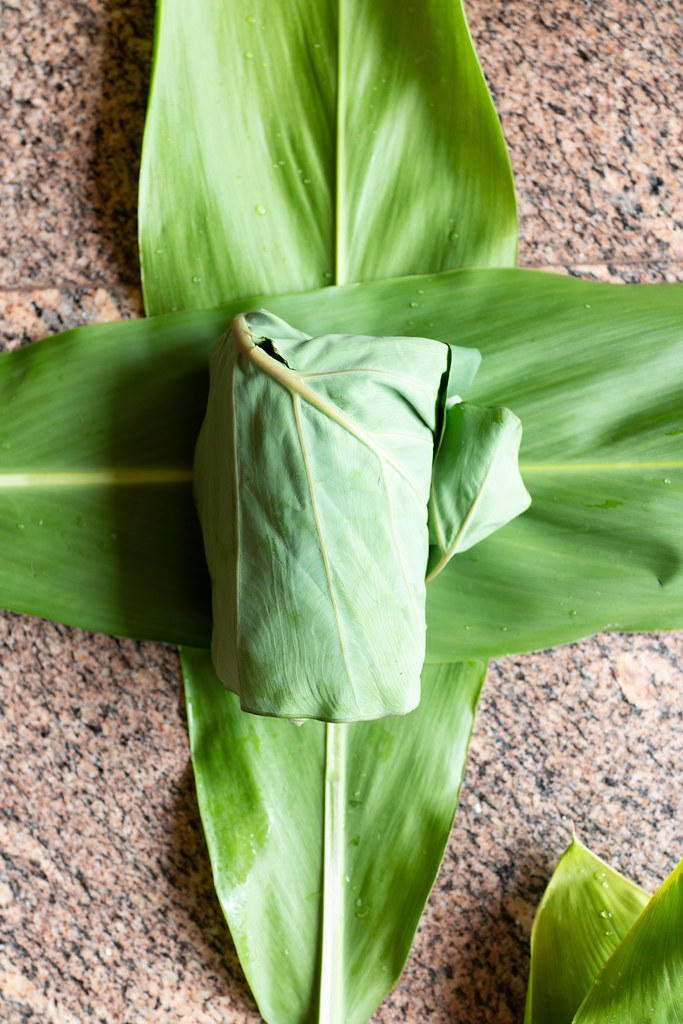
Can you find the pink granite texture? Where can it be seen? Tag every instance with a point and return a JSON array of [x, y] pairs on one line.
[[107, 911]]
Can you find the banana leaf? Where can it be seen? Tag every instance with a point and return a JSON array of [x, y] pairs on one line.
[[293, 145], [111, 542], [585, 914], [325, 839], [643, 979]]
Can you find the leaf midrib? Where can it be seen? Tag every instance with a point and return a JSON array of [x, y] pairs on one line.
[[591, 467], [321, 544], [124, 477], [149, 477], [293, 383]]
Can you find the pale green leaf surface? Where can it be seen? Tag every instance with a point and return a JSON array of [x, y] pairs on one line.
[[312, 476], [326, 940], [289, 146], [592, 370], [476, 484], [585, 913], [643, 979]]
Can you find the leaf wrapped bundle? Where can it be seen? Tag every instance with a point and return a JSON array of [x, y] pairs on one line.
[[313, 475]]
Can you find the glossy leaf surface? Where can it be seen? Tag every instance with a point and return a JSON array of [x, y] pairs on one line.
[[585, 913], [643, 979], [290, 146], [327, 936], [592, 370], [97, 434]]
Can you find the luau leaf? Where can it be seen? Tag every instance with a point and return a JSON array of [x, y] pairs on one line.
[[283, 165], [312, 476], [476, 485]]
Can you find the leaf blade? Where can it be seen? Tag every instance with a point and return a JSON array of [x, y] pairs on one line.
[[610, 582], [476, 484], [586, 911], [257, 817], [643, 979], [313, 208], [312, 490]]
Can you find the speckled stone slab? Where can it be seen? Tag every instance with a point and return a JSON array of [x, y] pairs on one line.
[[74, 79], [589, 95], [107, 910]]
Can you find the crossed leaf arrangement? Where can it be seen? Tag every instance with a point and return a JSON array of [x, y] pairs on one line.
[[341, 166]]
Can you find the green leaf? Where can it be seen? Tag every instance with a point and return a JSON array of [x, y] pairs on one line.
[[97, 435], [592, 370], [313, 471], [476, 486], [643, 979], [585, 913], [289, 146], [322, 871]]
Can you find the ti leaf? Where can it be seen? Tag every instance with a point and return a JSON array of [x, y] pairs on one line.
[[321, 864], [293, 145], [591, 369], [593, 372], [643, 979], [97, 522], [602, 951], [585, 913]]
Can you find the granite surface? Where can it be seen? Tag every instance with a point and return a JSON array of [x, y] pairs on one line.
[[107, 911]]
